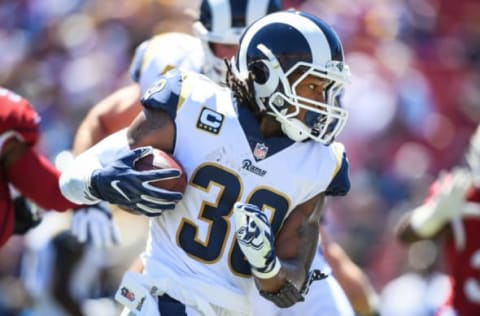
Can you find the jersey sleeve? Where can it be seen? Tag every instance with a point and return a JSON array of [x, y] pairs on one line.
[[138, 60], [340, 184], [473, 195], [17, 118], [167, 93], [163, 52]]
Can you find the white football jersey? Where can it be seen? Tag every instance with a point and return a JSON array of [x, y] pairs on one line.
[[163, 52], [220, 146]]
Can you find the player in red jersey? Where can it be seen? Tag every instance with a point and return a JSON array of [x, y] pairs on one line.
[[33, 175], [451, 214]]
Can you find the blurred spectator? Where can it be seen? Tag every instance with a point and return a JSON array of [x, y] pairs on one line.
[[61, 276], [414, 93], [420, 291], [409, 72], [450, 215]]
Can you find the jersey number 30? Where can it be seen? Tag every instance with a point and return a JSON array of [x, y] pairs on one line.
[[217, 216]]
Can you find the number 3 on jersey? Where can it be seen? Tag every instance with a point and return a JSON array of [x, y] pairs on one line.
[[217, 215]]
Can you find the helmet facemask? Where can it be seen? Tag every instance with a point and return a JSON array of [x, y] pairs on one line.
[[276, 55], [323, 121]]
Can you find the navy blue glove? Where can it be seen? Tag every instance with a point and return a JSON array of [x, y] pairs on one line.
[[119, 183]]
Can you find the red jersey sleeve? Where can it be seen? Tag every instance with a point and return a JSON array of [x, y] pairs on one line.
[[473, 195], [18, 116]]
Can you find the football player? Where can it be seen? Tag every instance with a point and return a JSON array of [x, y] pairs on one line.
[[451, 215], [217, 31], [34, 176], [217, 35], [260, 157]]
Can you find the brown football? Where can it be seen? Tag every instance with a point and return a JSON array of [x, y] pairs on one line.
[[162, 160]]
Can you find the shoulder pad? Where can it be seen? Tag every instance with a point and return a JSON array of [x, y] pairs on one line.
[[340, 184], [135, 69], [165, 93], [163, 52]]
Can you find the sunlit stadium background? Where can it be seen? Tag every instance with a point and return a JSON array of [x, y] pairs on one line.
[[414, 102]]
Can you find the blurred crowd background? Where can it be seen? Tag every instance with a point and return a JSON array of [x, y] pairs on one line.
[[414, 102]]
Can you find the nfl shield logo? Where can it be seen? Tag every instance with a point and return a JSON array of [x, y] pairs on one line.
[[260, 151]]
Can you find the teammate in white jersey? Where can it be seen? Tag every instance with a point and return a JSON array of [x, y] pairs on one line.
[[217, 31], [260, 150]]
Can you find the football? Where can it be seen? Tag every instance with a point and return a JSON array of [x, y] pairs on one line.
[[162, 160]]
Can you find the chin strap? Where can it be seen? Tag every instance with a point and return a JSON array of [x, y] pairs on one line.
[[294, 129]]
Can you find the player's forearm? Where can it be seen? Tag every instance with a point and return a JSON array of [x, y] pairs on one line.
[[290, 271], [75, 180], [351, 278], [110, 115], [288, 286], [295, 262], [88, 134], [365, 301], [358, 289]]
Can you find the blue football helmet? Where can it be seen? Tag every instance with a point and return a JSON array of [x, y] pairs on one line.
[[285, 42], [223, 22]]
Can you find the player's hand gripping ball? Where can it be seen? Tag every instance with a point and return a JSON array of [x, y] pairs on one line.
[[163, 160], [144, 180]]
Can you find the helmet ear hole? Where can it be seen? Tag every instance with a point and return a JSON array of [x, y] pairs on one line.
[[260, 72], [266, 78]]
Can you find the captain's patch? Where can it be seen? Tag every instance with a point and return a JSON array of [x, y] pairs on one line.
[[210, 121]]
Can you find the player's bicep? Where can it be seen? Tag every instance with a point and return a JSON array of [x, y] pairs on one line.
[[155, 126], [152, 127], [110, 115], [298, 238], [121, 109]]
